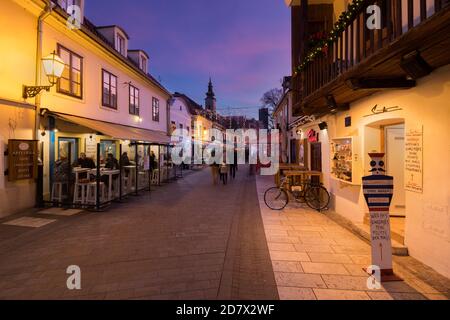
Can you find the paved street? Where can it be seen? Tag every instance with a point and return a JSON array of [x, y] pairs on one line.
[[191, 240], [187, 240], [315, 258]]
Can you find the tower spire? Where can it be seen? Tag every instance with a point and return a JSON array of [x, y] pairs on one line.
[[210, 100]]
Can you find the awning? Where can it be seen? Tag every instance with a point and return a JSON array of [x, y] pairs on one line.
[[118, 131]]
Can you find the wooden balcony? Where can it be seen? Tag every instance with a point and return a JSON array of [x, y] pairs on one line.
[[413, 40]]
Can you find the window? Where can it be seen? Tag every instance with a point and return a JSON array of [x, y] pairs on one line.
[[134, 100], [155, 110], [71, 79], [144, 64], [120, 44], [67, 3], [109, 91]]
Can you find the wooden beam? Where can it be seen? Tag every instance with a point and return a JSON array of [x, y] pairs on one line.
[[380, 83], [333, 106], [415, 66]]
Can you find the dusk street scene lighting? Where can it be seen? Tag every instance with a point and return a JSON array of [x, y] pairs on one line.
[[234, 159]]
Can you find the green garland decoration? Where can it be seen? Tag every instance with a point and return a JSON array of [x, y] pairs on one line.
[[345, 19]]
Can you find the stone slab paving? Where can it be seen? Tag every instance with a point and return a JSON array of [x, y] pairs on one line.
[[185, 240], [29, 222], [315, 258]]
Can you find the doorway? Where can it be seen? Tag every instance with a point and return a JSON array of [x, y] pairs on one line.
[[316, 160], [395, 163], [293, 151], [394, 147], [316, 156], [388, 136], [63, 148]]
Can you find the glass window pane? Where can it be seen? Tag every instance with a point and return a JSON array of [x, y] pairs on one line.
[[105, 97], [113, 81], [76, 62], [76, 89], [105, 77], [76, 76], [65, 56], [66, 73], [64, 84]]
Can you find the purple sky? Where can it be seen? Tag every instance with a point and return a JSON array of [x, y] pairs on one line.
[[244, 45]]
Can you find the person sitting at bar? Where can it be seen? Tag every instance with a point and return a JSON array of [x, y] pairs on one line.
[[111, 162], [124, 160], [84, 162], [62, 169]]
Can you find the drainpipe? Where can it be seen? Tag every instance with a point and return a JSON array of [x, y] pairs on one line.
[[45, 13]]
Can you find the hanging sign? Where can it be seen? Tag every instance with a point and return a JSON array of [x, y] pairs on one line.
[[414, 160], [313, 136], [378, 192], [22, 159]]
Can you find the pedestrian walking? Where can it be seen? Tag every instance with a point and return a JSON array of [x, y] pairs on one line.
[[233, 166], [224, 173], [215, 172]]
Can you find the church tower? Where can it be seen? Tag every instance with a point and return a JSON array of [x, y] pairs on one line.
[[210, 100]]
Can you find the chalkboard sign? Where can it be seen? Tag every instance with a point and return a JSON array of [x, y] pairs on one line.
[[22, 159]]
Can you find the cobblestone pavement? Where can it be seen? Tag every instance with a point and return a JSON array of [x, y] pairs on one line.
[[186, 240], [315, 258]]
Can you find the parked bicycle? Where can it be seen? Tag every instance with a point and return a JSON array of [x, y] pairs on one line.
[[315, 195]]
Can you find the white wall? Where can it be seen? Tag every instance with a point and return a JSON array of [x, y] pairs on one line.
[[180, 116], [428, 219]]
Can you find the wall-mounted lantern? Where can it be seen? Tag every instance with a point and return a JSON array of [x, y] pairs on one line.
[[53, 67]]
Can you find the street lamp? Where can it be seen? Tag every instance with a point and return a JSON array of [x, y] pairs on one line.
[[53, 67]]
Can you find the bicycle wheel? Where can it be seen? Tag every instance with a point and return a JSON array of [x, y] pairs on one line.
[[276, 199], [317, 198]]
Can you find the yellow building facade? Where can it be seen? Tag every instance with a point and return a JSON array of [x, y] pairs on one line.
[[90, 54]]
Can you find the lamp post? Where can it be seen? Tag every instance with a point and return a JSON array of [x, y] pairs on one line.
[[53, 67]]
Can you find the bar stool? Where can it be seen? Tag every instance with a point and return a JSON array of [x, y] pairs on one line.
[[125, 183], [143, 178], [155, 176], [57, 191], [116, 186], [92, 193], [80, 192]]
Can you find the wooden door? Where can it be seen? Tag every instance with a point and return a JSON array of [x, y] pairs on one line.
[[316, 156]]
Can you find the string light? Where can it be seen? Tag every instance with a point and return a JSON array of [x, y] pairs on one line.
[[345, 19]]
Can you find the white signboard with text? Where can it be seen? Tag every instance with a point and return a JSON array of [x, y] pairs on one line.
[[91, 147], [414, 160]]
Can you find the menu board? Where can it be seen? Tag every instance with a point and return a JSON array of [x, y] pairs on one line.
[[91, 147], [414, 160], [22, 159]]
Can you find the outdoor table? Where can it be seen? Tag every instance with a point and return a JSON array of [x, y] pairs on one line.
[[110, 174], [287, 166], [298, 177], [77, 172]]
